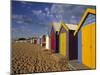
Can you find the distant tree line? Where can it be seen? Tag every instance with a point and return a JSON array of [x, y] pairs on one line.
[[22, 39]]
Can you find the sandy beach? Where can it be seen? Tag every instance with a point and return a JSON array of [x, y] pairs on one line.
[[30, 58]]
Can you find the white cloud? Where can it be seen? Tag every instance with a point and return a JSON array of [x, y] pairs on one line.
[[15, 16], [55, 9], [19, 21], [69, 13], [23, 2], [73, 17], [48, 13], [46, 9], [59, 17], [37, 12]]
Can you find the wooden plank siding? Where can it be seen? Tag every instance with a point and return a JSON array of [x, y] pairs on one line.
[[88, 45]]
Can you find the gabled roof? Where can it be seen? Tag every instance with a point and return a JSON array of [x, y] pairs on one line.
[[88, 11], [71, 26], [68, 26], [56, 26], [64, 25]]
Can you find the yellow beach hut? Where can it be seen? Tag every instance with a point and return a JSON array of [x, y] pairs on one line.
[[68, 42], [87, 27]]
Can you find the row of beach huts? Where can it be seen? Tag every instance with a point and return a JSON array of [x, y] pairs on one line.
[[76, 42]]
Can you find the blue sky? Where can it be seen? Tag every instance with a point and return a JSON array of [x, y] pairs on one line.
[[34, 19]]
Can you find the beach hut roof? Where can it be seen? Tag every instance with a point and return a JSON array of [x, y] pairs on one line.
[[68, 26], [71, 26], [88, 11], [56, 26]]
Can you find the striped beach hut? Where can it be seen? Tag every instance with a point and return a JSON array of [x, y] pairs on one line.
[[68, 42], [54, 35], [86, 32]]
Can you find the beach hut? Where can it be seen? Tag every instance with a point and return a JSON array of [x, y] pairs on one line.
[[34, 40], [54, 35], [43, 41], [86, 38], [47, 42], [40, 41], [68, 42]]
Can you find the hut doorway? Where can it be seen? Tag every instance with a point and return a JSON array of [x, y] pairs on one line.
[[57, 42], [52, 41], [43, 41], [73, 47], [35, 41]]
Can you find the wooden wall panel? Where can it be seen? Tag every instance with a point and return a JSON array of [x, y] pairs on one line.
[[63, 49], [88, 45]]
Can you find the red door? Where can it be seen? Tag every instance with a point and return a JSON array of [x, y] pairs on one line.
[[35, 41], [44, 41], [52, 42]]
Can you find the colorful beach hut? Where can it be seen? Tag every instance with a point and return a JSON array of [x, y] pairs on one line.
[[54, 35], [43, 41], [87, 38], [47, 42], [40, 41], [34, 40], [68, 42]]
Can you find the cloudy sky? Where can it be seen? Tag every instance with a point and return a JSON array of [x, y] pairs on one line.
[[34, 19]]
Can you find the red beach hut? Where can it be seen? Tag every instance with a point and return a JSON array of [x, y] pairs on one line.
[[55, 37]]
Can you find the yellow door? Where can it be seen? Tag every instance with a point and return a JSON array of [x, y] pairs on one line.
[[88, 45], [63, 44]]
